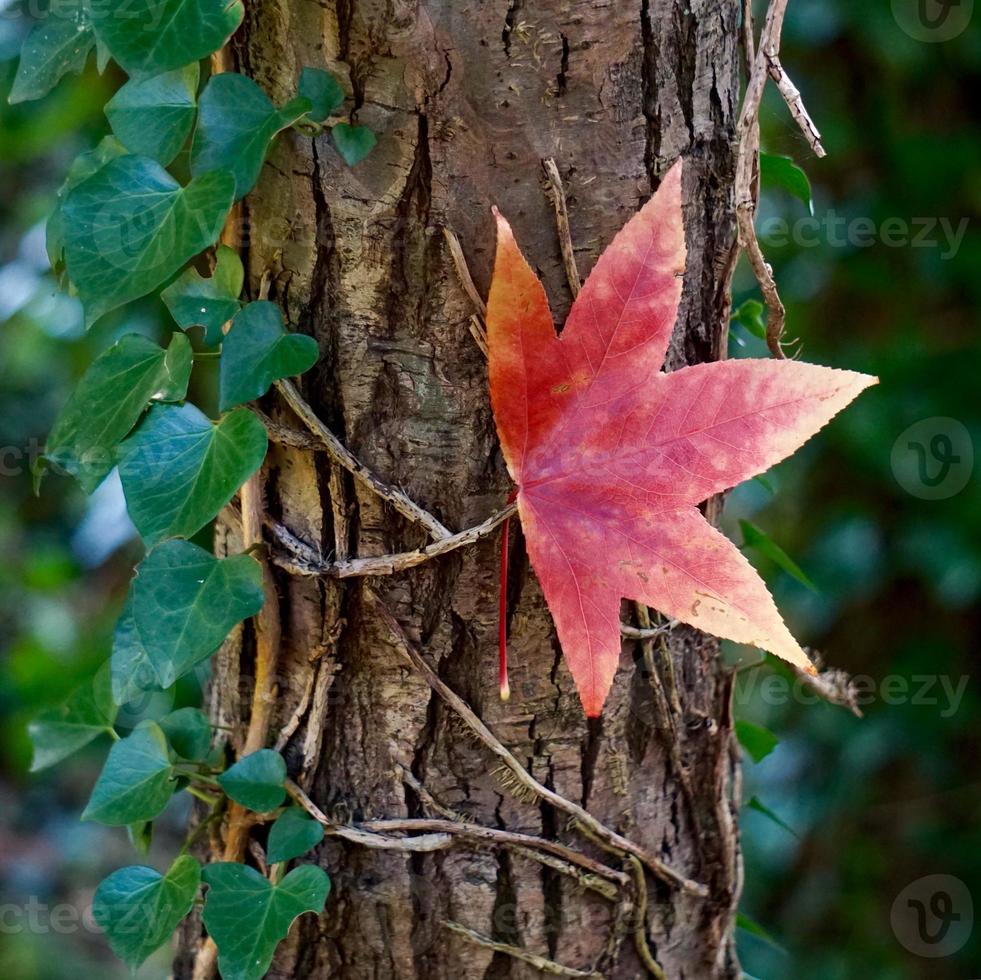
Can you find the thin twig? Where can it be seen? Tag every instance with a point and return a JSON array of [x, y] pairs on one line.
[[388, 564], [640, 921], [557, 194], [341, 455], [463, 272], [582, 818], [539, 962], [286, 435], [795, 103]]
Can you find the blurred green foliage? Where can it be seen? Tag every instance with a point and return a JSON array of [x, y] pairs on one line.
[[876, 803]]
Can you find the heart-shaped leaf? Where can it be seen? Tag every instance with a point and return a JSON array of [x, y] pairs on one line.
[[56, 46], [294, 833], [258, 351], [188, 732], [323, 90], [194, 301], [247, 916], [130, 226], [151, 36], [236, 124], [132, 672], [87, 714], [83, 166], [179, 468], [257, 781], [138, 908], [136, 782], [183, 602], [154, 115], [353, 143], [109, 400]]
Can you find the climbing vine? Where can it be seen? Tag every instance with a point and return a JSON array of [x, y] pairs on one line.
[[140, 214]]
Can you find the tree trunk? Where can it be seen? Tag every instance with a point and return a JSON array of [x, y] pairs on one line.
[[467, 98]]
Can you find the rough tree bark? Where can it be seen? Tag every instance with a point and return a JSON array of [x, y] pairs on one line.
[[468, 97]]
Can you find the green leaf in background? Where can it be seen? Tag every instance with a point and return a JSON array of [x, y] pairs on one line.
[[188, 732], [758, 741], [178, 469], [777, 171], [135, 783], [353, 143], [194, 301], [257, 781], [749, 314], [247, 916], [754, 537], [147, 37], [258, 351], [751, 926], [84, 165], [130, 226], [323, 90], [755, 804], [109, 400], [154, 116], [88, 713], [58, 45], [294, 833], [138, 908], [184, 603], [236, 124]]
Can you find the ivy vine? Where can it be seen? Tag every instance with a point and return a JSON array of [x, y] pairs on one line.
[[132, 218]]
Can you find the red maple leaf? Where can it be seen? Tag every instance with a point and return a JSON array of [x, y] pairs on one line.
[[611, 456]]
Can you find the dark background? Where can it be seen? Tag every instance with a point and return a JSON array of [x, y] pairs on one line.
[[885, 277]]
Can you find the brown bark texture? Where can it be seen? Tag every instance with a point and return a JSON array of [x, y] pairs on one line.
[[467, 98]]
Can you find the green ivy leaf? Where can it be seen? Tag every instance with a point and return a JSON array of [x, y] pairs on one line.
[[751, 926], [784, 173], [188, 732], [178, 469], [194, 301], [84, 165], [257, 781], [109, 400], [247, 916], [236, 124], [758, 741], [754, 537], [258, 351], [132, 671], [323, 90], [294, 833], [153, 116], [130, 226], [135, 783], [353, 143], [153, 36], [87, 714], [184, 602], [138, 908], [58, 45]]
